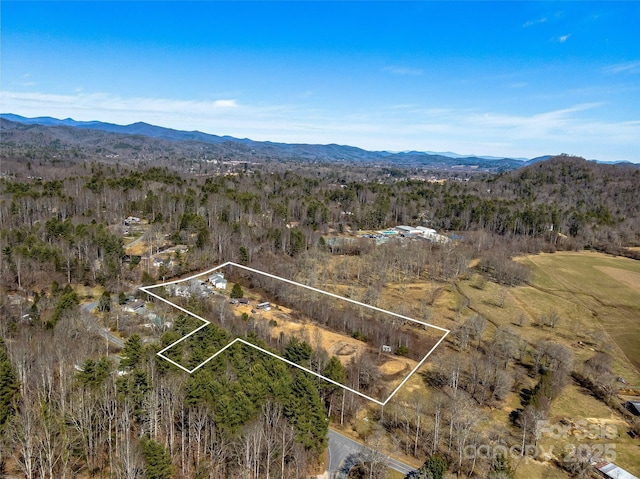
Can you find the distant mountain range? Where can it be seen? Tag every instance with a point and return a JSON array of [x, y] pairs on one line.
[[286, 151]]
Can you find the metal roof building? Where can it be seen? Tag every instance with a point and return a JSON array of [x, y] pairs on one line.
[[611, 471]]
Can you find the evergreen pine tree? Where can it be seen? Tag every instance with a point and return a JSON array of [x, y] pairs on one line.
[[501, 467], [335, 370], [433, 468], [298, 351], [9, 386], [244, 255], [236, 291], [104, 305], [308, 414], [157, 460], [132, 352]]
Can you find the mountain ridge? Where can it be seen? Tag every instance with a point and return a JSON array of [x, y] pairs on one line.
[[290, 151]]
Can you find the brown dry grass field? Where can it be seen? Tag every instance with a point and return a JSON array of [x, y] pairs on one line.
[[138, 248], [598, 293], [597, 298]]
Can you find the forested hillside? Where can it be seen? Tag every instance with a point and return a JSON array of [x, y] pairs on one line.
[[70, 223]]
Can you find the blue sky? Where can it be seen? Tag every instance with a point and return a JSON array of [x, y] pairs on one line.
[[508, 78]]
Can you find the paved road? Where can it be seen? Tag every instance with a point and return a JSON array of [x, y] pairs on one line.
[[105, 333], [344, 453], [134, 242], [341, 448], [400, 466]]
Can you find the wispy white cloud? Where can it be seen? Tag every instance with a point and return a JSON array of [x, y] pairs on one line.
[[398, 70], [532, 126], [531, 23], [562, 38], [403, 106], [626, 67], [220, 116], [103, 102], [225, 104], [25, 81]]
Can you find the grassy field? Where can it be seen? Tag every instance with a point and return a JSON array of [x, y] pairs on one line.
[[595, 297], [589, 423], [604, 291], [597, 300]]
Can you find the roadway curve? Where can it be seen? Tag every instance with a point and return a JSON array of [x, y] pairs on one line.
[[344, 453], [105, 333]]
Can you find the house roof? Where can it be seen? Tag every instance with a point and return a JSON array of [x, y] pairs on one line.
[[135, 305], [609, 469], [634, 407]]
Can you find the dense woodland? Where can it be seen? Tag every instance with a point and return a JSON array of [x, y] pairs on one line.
[[70, 409]]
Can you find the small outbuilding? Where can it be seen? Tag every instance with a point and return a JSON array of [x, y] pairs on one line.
[[633, 407], [218, 281], [610, 471]]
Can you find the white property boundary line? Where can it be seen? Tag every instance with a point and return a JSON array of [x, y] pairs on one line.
[[206, 323]]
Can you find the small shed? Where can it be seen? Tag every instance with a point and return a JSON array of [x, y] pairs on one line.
[[610, 471], [633, 407]]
